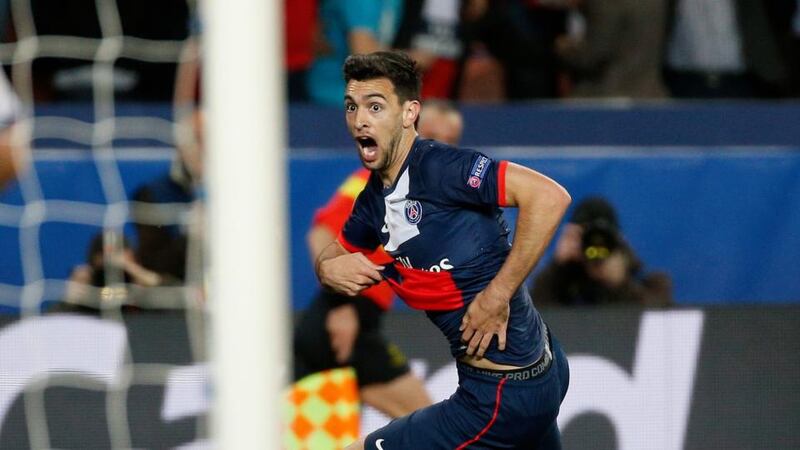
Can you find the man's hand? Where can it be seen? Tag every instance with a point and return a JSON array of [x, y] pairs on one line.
[[486, 316], [541, 203], [349, 274], [342, 325]]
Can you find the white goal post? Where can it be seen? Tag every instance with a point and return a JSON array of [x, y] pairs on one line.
[[246, 165]]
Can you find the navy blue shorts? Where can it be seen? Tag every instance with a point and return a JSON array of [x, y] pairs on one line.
[[486, 412]]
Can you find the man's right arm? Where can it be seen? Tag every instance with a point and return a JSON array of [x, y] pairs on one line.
[[345, 272]]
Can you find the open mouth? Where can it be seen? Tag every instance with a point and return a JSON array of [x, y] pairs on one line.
[[369, 148]]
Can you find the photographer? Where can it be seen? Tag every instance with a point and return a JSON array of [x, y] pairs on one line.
[[594, 265], [90, 288]]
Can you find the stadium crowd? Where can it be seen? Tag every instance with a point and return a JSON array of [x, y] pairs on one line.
[[533, 49], [474, 50]]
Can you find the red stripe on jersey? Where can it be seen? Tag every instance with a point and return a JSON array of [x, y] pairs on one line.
[[381, 294], [428, 291], [497, 399], [501, 183]]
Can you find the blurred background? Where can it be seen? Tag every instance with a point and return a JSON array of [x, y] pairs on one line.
[[673, 283]]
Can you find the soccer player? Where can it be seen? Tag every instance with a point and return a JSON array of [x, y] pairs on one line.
[[337, 330], [436, 210]]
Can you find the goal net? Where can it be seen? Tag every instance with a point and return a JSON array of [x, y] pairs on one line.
[[132, 314]]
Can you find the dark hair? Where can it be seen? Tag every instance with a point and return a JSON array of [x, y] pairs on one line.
[[593, 209], [397, 66]]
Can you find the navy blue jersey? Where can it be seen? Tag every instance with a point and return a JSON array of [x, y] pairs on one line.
[[441, 222]]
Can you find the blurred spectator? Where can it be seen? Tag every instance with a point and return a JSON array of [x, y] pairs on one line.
[[723, 49], [13, 154], [300, 36], [107, 250], [430, 32], [441, 121], [301, 30], [186, 95], [347, 27], [794, 51], [165, 210], [187, 83], [163, 247], [784, 19], [5, 19], [521, 35], [594, 265], [481, 75], [620, 53]]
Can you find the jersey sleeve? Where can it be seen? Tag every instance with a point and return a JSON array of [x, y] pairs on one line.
[[466, 177], [358, 235]]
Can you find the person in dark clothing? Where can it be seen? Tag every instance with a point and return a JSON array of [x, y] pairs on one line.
[[521, 35], [106, 278], [594, 265], [723, 49], [161, 205]]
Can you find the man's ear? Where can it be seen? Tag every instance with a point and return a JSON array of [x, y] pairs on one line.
[[411, 110]]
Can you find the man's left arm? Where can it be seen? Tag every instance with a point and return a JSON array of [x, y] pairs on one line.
[[542, 203]]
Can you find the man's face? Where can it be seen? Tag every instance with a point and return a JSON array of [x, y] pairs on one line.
[[375, 120]]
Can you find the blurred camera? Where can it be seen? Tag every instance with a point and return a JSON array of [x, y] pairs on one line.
[[599, 240]]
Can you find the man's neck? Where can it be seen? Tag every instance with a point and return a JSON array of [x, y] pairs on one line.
[[391, 173]]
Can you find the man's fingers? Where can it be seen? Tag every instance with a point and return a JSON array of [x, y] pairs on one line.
[[486, 339], [467, 334], [368, 269], [352, 289], [367, 262], [474, 343], [501, 338], [364, 280], [373, 275], [464, 323], [352, 275]]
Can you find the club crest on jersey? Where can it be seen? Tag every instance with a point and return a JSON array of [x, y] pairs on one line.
[[478, 172], [413, 212]]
